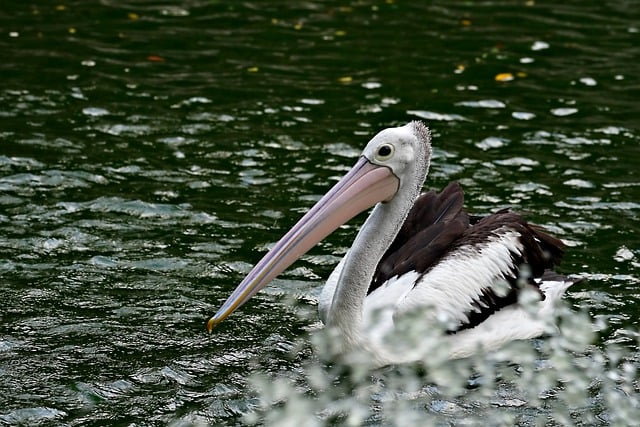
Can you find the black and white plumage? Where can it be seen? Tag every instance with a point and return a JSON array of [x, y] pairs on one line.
[[419, 253]]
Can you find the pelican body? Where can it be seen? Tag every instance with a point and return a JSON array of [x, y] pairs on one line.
[[418, 253]]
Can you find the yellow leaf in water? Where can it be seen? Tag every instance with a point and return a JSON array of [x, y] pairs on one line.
[[345, 79], [521, 74], [133, 16], [253, 69], [504, 77]]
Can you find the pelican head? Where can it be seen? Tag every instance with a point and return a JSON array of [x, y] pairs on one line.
[[394, 162], [406, 150]]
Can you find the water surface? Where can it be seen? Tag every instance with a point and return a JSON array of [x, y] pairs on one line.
[[150, 153]]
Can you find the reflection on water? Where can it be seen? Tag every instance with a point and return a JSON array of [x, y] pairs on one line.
[[151, 153]]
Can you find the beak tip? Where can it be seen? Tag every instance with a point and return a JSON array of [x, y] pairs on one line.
[[212, 323]]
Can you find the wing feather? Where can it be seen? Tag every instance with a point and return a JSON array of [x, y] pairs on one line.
[[469, 267], [433, 224], [486, 269]]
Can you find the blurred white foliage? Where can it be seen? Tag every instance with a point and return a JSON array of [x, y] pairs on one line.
[[562, 379]]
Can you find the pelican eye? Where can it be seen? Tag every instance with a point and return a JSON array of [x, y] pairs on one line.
[[384, 152]]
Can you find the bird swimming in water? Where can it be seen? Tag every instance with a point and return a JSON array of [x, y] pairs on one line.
[[418, 253]]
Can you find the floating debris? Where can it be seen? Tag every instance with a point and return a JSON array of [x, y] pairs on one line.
[[504, 77]]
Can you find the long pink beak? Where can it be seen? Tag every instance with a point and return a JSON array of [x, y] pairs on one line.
[[362, 187]]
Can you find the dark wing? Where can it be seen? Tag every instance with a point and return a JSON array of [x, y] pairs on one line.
[[536, 255], [541, 251], [435, 222], [439, 233]]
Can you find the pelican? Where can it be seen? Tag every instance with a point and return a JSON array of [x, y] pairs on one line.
[[421, 253]]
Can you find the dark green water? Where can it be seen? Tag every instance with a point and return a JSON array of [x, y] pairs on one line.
[[150, 153]]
